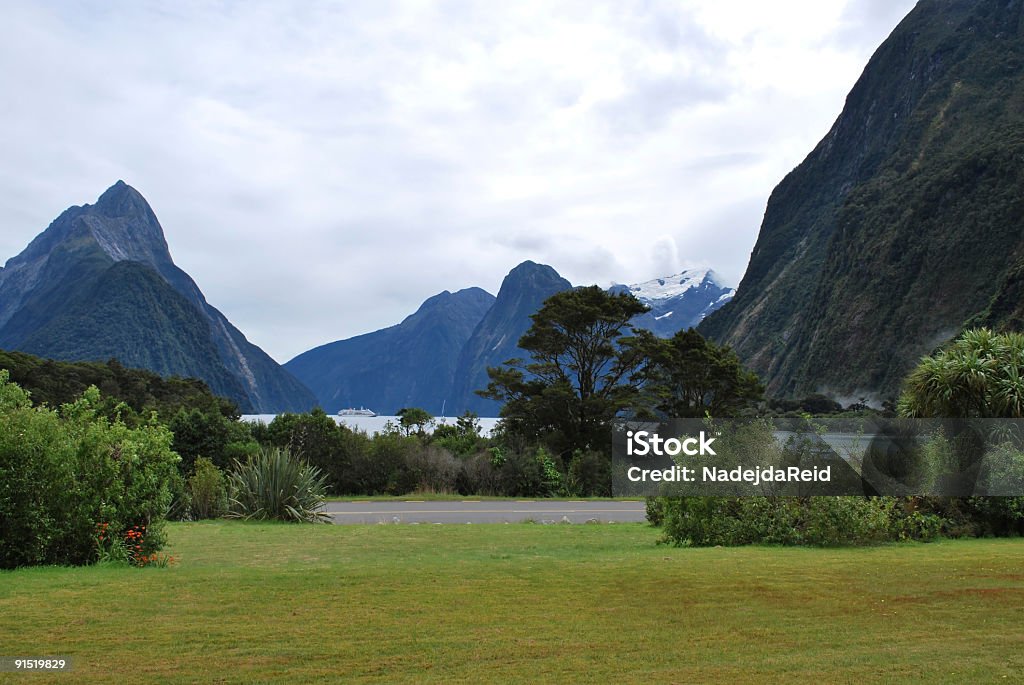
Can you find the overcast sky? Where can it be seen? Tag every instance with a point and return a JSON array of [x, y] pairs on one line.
[[322, 168]]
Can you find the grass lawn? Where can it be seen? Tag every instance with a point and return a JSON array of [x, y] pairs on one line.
[[435, 497], [521, 603]]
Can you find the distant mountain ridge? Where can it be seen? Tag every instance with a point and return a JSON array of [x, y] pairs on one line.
[[411, 364], [396, 367], [903, 225], [100, 283], [496, 337]]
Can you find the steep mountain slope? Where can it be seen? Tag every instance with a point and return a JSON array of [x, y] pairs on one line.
[[496, 337], [678, 302], [411, 364], [904, 222], [99, 282]]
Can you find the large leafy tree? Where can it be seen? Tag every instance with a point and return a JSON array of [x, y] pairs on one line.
[[581, 373], [688, 376]]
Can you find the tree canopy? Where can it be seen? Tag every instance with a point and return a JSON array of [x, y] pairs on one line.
[[689, 376], [581, 372]]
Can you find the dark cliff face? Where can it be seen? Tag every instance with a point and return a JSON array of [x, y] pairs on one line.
[[411, 364], [904, 223], [496, 337], [100, 283]]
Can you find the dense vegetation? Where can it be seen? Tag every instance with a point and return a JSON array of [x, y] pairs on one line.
[[588, 366], [54, 383], [976, 376], [77, 486]]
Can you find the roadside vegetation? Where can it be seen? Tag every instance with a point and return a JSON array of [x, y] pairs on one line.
[[979, 375], [88, 475]]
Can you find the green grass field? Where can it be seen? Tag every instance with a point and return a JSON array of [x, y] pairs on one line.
[[521, 603], [443, 497]]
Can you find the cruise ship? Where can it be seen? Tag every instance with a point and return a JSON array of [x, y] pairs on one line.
[[357, 412]]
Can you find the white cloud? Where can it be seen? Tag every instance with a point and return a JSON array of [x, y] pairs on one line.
[[321, 168]]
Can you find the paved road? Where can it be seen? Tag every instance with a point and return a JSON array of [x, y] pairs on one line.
[[476, 511]]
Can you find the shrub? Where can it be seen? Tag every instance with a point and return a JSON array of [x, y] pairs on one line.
[[274, 485], [434, 469], [64, 473], [208, 491], [383, 466], [181, 500], [816, 521], [462, 439], [479, 476], [655, 507], [589, 475], [518, 474]]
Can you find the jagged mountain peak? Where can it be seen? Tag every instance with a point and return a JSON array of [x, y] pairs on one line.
[[679, 301], [408, 364], [99, 283], [675, 285], [125, 226], [121, 199]]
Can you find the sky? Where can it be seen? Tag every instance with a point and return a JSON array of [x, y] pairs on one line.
[[321, 168]]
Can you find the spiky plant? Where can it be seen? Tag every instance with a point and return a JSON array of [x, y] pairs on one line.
[[980, 375], [272, 484]]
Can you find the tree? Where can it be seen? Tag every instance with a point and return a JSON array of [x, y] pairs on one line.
[[581, 371], [689, 376], [978, 376], [414, 418], [199, 434], [462, 439]]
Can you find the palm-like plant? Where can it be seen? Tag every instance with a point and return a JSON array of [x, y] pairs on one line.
[[272, 484], [980, 375]]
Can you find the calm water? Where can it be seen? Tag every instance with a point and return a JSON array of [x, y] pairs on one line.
[[375, 424]]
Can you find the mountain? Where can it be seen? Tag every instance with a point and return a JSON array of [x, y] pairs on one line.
[[411, 364], [678, 302], [496, 337], [438, 357], [100, 283], [904, 223]]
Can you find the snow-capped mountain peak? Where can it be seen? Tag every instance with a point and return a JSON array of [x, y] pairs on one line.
[[671, 286], [679, 301]]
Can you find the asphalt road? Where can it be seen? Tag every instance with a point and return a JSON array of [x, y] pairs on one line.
[[493, 511]]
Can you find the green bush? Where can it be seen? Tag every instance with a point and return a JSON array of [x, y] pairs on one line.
[[589, 475], [208, 491], [815, 521], [518, 473], [434, 469], [381, 465], [69, 476], [478, 476], [274, 485]]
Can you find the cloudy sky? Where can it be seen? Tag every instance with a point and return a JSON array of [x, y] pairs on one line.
[[320, 168]]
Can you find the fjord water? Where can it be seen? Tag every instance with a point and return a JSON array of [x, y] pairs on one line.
[[376, 424]]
